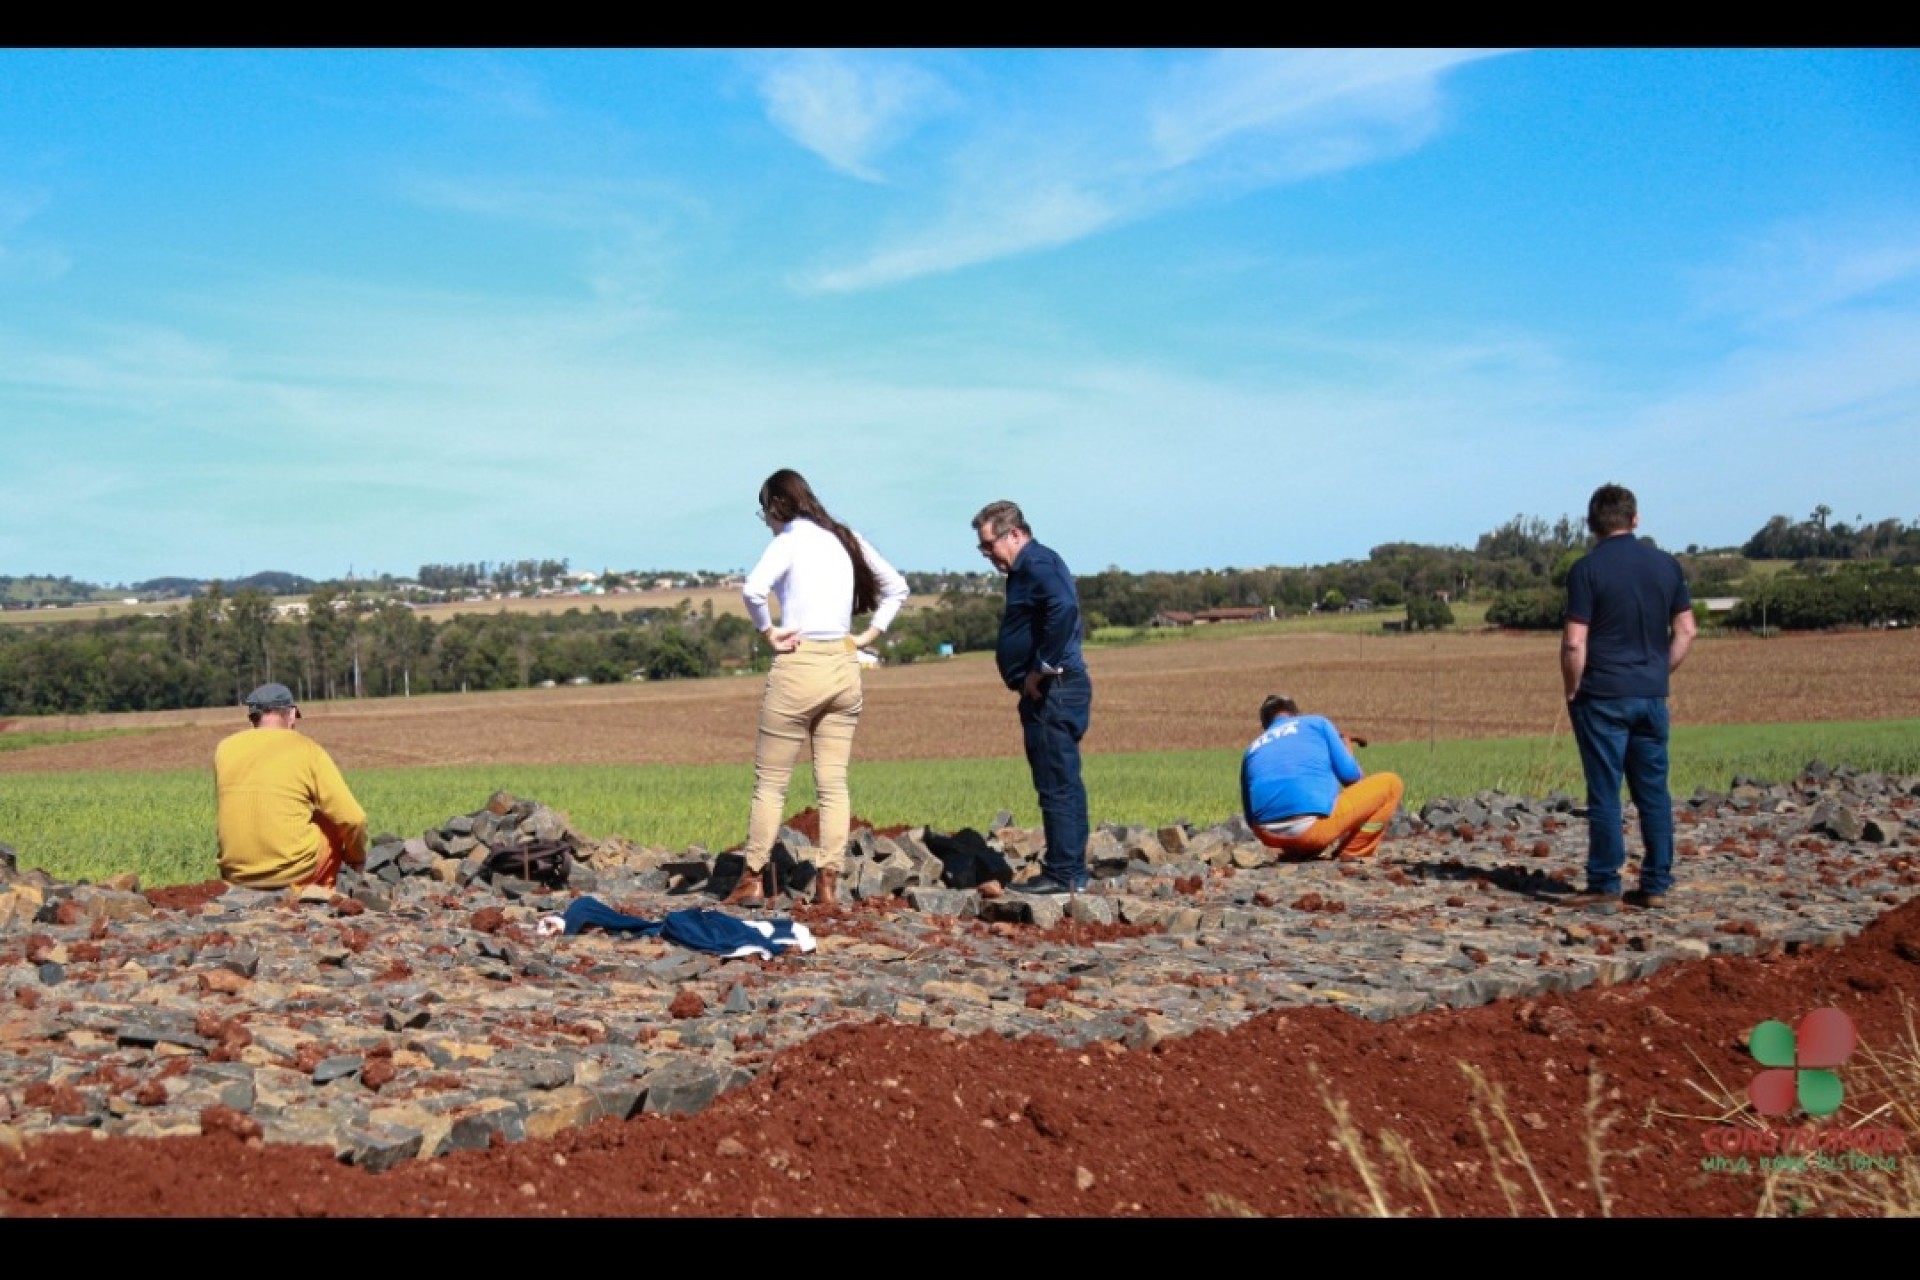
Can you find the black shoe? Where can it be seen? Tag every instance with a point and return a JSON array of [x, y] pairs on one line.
[[1642, 899], [1041, 887]]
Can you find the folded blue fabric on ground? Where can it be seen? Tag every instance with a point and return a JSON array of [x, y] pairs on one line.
[[700, 929]]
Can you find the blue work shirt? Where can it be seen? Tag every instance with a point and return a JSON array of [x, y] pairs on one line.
[[1040, 628], [1297, 767]]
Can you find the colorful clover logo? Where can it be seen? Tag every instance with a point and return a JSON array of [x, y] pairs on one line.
[[1801, 1062]]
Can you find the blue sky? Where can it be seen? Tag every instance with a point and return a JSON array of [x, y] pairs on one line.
[[318, 310]]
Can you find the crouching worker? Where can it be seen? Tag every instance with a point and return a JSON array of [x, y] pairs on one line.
[[1305, 794], [286, 816]]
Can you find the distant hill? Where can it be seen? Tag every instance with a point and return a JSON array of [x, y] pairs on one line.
[[166, 587], [42, 588], [272, 582]]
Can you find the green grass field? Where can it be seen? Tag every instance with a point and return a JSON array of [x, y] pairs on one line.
[[1466, 617], [91, 825], [22, 741]]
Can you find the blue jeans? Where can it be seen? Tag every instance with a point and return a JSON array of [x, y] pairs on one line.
[[1053, 725], [1625, 737]]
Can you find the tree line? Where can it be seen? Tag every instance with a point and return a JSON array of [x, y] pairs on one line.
[[351, 643], [215, 650], [1861, 575]]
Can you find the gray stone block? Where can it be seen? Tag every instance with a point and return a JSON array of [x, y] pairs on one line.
[[1017, 908], [944, 902], [376, 1147], [340, 1066], [684, 1086], [474, 1130], [1090, 908], [619, 1099]]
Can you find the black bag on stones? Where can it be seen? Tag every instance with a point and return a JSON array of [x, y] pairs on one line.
[[782, 874], [544, 862], [786, 873], [967, 861]]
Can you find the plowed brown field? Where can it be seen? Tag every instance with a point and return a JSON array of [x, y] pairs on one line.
[[1166, 696]]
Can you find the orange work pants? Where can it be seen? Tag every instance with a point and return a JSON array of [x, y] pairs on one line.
[[1354, 828]]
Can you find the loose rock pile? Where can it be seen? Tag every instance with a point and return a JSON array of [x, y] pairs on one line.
[[417, 1009]]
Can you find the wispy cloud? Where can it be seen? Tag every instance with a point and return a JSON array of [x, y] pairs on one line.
[[1040, 219], [487, 84], [20, 257], [626, 226], [1060, 161], [1793, 270], [568, 204], [849, 109], [1321, 108]]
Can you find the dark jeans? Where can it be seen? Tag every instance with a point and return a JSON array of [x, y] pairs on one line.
[[1053, 725], [1625, 737]]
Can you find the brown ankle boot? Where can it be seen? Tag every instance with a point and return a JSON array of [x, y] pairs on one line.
[[747, 893], [827, 892]]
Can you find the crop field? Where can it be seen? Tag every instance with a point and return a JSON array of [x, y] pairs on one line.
[[940, 743], [724, 600], [1155, 697]]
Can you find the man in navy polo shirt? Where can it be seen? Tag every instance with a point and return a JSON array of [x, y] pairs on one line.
[[1039, 657], [1629, 625]]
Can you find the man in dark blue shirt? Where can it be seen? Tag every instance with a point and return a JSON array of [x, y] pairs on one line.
[[1629, 625], [1039, 657]]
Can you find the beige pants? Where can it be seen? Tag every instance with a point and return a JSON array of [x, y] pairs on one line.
[[813, 694]]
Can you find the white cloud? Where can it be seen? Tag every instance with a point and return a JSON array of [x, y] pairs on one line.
[[20, 257], [1340, 105], [1040, 219], [1085, 146], [1794, 270], [850, 109], [627, 226], [488, 85]]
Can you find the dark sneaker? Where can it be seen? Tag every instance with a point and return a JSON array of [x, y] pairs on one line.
[[1042, 887], [1645, 901]]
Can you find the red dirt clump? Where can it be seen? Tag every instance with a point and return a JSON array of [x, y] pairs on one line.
[[224, 1123], [1085, 932], [186, 897], [58, 1099], [880, 1119], [807, 823]]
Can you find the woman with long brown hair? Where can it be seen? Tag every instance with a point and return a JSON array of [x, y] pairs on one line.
[[822, 573]]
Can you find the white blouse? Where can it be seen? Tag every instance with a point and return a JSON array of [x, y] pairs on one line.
[[808, 571]]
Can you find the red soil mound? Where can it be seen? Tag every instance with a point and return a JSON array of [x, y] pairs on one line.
[[896, 1120]]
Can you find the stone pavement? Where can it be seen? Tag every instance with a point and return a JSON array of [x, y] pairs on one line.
[[418, 1010]]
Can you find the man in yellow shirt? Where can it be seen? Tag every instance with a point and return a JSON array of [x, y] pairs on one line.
[[286, 816]]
